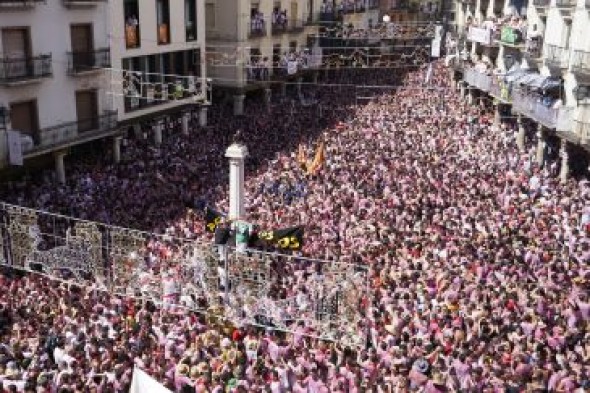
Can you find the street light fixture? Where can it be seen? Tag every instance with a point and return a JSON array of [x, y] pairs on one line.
[[386, 18]]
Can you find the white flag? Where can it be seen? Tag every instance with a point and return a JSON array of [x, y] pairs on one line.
[[143, 383], [15, 148]]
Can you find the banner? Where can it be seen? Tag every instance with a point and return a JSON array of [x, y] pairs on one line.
[[143, 383], [287, 239], [212, 219], [15, 148], [479, 34]]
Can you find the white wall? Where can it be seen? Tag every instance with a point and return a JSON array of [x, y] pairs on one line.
[[49, 26]]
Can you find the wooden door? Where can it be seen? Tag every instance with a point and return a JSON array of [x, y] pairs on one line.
[[23, 116], [86, 110], [16, 49]]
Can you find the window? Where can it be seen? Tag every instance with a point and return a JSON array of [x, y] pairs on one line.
[[163, 19], [210, 15], [190, 19], [23, 118], [131, 13], [86, 110]]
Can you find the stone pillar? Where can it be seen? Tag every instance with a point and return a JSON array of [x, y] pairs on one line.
[[60, 167], [299, 83], [540, 146], [158, 132], [497, 116], [239, 104], [283, 89], [186, 117], [236, 153], [203, 116], [470, 96], [520, 137], [117, 149], [267, 97], [564, 171]]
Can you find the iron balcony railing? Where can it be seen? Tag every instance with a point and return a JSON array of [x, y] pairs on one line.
[[83, 2], [501, 90], [477, 79], [279, 28], [19, 3], [582, 129], [534, 107], [581, 61], [257, 28], [556, 56], [87, 61], [541, 3], [295, 26], [565, 3], [25, 68], [75, 131]]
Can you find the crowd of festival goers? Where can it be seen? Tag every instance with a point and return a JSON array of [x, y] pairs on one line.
[[478, 256]]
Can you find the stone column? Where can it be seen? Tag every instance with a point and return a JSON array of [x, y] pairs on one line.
[[239, 104], [267, 97], [540, 146], [117, 149], [186, 117], [470, 96], [236, 153], [497, 116], [60, 166], [203, 116], [565, 165], [158, 132], [520, 137]]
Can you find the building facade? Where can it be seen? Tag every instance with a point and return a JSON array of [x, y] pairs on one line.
[[533, 61], [158, 52], [52, 77]]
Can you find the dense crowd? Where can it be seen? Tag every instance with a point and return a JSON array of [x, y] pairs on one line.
[[478, 256]]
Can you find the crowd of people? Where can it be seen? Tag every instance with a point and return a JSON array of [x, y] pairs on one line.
[[478, 257]]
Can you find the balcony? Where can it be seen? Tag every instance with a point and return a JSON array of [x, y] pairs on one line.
[[511, 37], [83, 62], [279, 28], [24, 70], [532, 106], [16, 4], [480, 35], [72, 133], [82, 3], [581, 63], [481, 81], [556, 56], [541, 3], [501, 91], [257, 29], [565, 3]]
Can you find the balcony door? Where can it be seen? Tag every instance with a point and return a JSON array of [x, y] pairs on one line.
[[86, 110], [82, 46], [16, 52], [23, 116]]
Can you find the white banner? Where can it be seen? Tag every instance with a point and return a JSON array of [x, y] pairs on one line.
[[292, 67], [143, 383], [15, 148], [479, 34]]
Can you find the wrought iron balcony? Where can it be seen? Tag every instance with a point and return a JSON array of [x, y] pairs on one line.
[[257, 29], [80, 62], [72, 133], [541, 3], [565, 3], [19, 70], [477, 79], [533, 106], [15, 4], [295, 26], [82, 3], [279, 28], [556, 56], [581, 62]]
